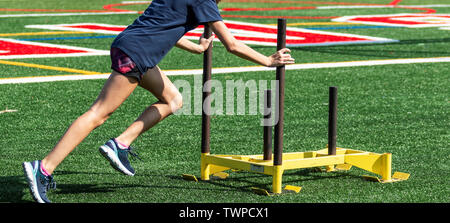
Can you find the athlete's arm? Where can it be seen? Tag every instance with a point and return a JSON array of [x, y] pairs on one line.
[[238, 48], [192, 47]]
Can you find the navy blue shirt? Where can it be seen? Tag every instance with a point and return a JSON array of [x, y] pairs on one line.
[[155, 32]]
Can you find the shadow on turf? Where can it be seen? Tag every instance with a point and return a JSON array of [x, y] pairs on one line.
[[13, 189], [306, 174], [66, 172], [84, 188]]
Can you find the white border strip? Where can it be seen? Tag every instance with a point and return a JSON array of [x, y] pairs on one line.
[[379, 6], [21, 80], [136, 2], [64, 27], [65, 14], [355, 7]]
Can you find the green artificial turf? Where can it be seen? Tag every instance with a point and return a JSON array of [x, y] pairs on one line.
[[401, 109]]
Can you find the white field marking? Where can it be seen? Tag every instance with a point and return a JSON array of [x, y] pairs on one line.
[[99, 53], [241, 33], [398, 17], [88, 52], [66, 27], [235, 69], [368, 39], [445, 28], [426, 6], [66, 14], [337, 7], [8, 110], [136, 2], [355, 7], [22, 80], [380, 6]]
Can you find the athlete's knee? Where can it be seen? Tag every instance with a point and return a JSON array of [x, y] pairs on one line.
[[96, 117], [176, 102]]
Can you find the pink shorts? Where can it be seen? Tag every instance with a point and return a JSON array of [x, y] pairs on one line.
[[123, 64]]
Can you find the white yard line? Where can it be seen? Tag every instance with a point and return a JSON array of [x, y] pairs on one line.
[[8, 111], [136, 2], [380, 6], [226, 70], [65, 14]]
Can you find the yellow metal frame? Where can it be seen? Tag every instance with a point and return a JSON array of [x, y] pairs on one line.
[[376, 163]]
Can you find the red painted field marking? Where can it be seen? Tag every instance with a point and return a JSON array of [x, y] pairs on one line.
[[427, 10], [113, 8], [402, 20], [249, 33], [275, 17], [98, 27], [21, 48], [395, 2], [14, 49]]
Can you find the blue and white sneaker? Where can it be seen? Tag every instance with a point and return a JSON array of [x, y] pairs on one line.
[[39, 183], [118, 158]]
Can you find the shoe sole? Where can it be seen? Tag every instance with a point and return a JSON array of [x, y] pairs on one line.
[[110, 155], [28, 171]]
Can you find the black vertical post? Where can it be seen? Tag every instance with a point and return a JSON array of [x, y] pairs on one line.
[[280, 73], [267, 129], [206, 120], [332, 121]]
